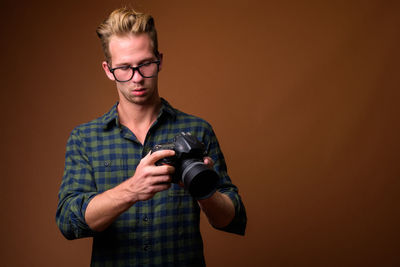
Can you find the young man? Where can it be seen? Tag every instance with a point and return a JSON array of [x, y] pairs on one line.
[[113, 191]]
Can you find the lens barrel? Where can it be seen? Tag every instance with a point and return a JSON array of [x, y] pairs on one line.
[[199, 180]]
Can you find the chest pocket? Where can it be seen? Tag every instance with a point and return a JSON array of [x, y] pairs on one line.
[[110, 173]]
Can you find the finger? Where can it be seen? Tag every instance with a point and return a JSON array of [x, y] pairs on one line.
[[161, 179], [161, 187], [160, 154], [163, 170], [208, 161]]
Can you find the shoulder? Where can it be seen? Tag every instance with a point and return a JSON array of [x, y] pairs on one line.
[[197, 126], [192, 119], [96, 126], [189, 120]]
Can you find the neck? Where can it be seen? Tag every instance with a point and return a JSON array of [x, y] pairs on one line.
[[138, 115]]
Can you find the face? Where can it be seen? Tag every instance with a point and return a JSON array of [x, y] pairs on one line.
[[133, 50]]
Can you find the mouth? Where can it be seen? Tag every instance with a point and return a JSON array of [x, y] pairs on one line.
[[139, 91]]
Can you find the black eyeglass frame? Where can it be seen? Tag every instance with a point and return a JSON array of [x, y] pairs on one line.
[[137, 68]]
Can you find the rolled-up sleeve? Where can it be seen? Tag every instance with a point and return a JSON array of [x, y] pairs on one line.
[[238, 224], [76, 190]]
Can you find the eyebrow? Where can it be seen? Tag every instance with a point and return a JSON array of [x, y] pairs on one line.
[[140, 62]]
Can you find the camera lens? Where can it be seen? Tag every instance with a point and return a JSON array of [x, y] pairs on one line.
[[200, 180]]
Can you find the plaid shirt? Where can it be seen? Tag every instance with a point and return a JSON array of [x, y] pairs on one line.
[[162, 231]]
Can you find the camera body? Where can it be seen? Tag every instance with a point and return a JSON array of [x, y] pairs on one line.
[[197, 178]]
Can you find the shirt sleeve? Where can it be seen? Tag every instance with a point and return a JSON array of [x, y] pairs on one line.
[[238, 224], [76, 190]]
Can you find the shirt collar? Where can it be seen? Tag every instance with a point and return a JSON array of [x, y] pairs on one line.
[[110, 119], [166, 108]]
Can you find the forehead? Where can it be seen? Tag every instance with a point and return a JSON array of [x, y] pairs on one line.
[[130, 48]]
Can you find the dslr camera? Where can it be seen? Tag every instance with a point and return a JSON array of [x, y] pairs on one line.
[[197, 178]]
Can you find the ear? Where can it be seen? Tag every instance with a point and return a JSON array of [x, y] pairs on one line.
[[110, 76], [160, 57]]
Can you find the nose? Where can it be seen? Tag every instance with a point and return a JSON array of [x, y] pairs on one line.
[[137, 78]]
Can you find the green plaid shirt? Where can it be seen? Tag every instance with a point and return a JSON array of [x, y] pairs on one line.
[[162, 231]]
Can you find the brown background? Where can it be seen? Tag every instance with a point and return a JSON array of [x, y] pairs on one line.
[[303, 96]]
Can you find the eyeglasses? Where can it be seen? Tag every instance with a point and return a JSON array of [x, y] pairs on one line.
[[146, 70]]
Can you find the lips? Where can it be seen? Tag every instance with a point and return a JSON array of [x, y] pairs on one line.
[[139, 91]]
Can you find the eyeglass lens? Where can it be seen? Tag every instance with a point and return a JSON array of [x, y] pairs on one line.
[[146, 70]]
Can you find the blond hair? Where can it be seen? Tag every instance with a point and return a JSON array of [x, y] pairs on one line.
[[124, 21]]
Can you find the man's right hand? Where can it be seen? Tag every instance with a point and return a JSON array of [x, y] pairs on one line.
[[148, 180]]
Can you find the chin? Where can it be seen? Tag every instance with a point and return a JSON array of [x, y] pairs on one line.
[[146, 100]]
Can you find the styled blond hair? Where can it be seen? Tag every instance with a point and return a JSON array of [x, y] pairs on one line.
[[124, 21]]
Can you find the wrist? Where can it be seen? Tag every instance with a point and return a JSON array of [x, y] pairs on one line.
[[122, 196], [209, 199]]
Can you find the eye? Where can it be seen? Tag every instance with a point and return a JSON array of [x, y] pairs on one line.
[[124, 67]]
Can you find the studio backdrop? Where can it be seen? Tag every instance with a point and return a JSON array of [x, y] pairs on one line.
[[303, 96]]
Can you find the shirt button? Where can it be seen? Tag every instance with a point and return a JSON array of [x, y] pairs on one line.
[[146, 219], [146, 247]]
